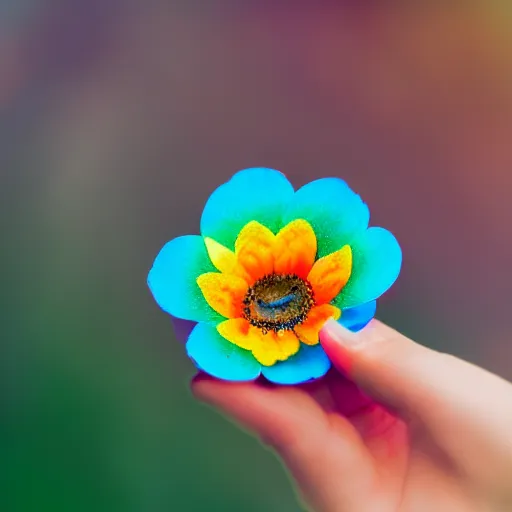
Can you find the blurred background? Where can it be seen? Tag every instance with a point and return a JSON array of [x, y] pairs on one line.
[[118, 119]]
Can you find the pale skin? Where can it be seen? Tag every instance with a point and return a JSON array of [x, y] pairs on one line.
[[394, 427]]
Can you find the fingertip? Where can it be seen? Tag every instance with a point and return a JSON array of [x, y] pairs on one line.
[[206, 388], [330, 338], [199, 381], [230, 396], [333, 335]]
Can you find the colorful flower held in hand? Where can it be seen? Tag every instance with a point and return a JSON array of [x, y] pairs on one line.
[[270, 267]]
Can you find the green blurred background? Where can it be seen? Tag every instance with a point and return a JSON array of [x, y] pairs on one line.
[[118, 119]]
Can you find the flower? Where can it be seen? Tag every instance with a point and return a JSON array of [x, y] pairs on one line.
[[270, 267]]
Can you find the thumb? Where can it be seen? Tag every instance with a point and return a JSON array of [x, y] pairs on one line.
[[415, 380], [460, 404]]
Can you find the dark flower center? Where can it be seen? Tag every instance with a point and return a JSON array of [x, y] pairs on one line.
[[278, 302]]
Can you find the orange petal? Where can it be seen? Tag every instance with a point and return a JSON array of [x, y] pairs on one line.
[[330, 274], [275, 347], [223, 292], [223, 259], [253, 247], [295, 249], [308, 330]]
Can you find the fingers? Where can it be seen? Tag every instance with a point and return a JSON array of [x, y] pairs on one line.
[[317, 446], [467, 410], [387, 365], [276, 415], [403, 374], [287, 418]]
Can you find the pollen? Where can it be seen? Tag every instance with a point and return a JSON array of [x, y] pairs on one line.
[[278, 302]]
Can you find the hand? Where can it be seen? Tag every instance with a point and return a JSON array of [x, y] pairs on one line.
[[398, 427]]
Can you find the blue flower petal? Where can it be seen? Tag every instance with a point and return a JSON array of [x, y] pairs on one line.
[[333, 209], [218, 357], [376, 263], [357, 318], [310, 363], [172, 279], [253, 194]]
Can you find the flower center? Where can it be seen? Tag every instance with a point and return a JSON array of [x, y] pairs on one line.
[[278, 302]]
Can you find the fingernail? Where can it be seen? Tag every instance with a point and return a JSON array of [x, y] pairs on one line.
[[333, 331]]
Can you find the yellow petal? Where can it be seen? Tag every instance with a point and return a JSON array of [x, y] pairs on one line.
[[266, 348], [223, 292], [253, 248], [223, 259], [295, 249], [330, 274], [240, 332], [275, 347], [308, 331]]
